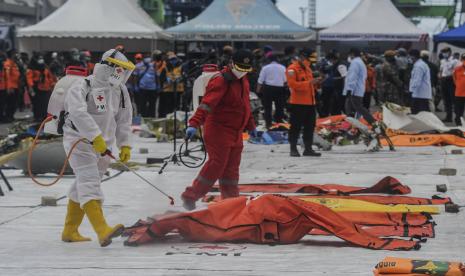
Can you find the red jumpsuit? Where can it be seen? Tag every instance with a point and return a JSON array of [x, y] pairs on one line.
[[225, 113]]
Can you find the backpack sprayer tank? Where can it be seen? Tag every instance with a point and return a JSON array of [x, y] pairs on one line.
[[56, 106], [200, 84]]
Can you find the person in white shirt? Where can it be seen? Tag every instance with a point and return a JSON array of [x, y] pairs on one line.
[[420, 84], [447, 83], [271, 85]]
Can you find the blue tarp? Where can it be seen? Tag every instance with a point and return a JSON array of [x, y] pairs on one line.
[[241, 20], [455, 37]]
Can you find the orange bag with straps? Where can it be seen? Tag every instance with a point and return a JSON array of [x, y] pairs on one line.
[[423, 140], [380, 199], [387, 185], [268, 219], [397, 266]]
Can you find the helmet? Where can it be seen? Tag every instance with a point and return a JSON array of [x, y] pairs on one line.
[[75, 54], [120, 47], [114, 67], [306, 52], [242, 60], [87, 55]]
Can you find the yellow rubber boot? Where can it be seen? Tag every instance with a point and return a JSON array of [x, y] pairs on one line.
[[73, 220], [105, 233]]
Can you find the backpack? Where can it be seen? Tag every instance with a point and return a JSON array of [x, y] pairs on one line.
[[56, 104], [200, 84]]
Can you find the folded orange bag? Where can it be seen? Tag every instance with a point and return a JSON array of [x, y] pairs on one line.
[[397, 266]]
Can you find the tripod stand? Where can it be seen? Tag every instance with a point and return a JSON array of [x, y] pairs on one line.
[[187, 156], [173, 158]]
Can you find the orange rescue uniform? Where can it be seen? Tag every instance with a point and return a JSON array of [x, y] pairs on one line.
[[11, 74], [299, 79], [459, 79], [42, 80], [302, 105], [90, 68], [2, 79], [370, 83]]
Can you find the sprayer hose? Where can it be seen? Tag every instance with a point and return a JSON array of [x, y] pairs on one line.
[[33, 146]]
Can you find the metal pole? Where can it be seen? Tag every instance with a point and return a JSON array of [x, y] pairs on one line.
[[303, 10], [318, 41], [6, 181]]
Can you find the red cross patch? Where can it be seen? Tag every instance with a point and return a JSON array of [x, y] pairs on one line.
[[100, 102]]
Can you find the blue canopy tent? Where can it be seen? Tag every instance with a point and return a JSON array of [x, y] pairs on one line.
[[455, 37], [241, 20]]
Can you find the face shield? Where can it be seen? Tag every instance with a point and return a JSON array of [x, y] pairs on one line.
[[240, 69], [122, 68]]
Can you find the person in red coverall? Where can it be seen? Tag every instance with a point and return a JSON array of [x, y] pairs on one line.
[[225, 114]]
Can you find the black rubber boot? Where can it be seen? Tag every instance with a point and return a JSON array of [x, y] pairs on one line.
[[310, 152], [294, 151]]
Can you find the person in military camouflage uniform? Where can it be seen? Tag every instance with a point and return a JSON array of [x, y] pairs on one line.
[[225, 57], [379, 80], [392, 86]]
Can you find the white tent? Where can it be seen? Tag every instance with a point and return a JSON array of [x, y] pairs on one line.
[[374, 20], [95, 25]]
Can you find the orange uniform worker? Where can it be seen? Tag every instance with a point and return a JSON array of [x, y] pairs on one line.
[[370, 85], [89, 64], [302, 103], [40, 82], [2, 87], [459, 80], [12, 80]]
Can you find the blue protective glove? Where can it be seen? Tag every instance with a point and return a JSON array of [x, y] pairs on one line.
[[253, 133], [190, 132]]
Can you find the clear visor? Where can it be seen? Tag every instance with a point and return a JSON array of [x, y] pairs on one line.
[[122, 71], [120, 76]]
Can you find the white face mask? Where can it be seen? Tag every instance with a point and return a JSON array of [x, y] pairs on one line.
[[238, 74], [349, 59]]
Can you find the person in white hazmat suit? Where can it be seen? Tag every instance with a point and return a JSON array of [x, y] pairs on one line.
[[98, 109]]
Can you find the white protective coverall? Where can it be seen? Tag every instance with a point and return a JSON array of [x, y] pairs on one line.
[[96, 109]]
